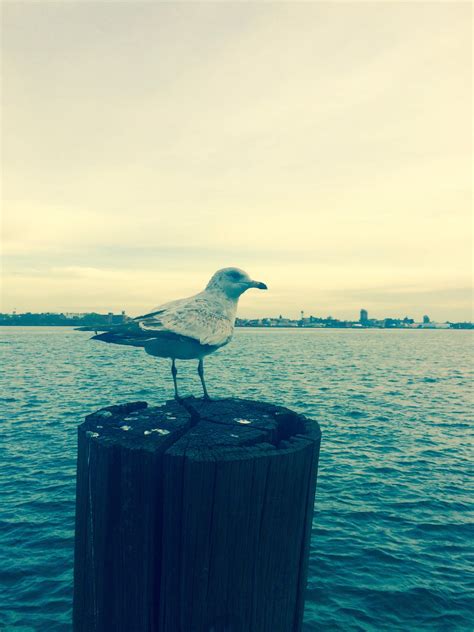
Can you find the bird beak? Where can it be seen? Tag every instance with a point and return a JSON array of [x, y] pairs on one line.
[[258, 284]]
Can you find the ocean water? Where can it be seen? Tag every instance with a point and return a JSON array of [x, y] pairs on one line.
[[392, 531]]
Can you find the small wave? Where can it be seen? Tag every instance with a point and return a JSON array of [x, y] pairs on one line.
[[355, 414]]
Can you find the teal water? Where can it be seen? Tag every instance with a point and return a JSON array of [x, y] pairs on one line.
[[391, 547]]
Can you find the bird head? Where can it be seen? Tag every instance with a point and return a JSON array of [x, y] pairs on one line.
[[233, 282]]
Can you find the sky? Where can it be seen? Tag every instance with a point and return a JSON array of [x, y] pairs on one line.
[[324, 147]]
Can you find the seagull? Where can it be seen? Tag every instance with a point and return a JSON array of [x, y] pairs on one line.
[[188, 328]]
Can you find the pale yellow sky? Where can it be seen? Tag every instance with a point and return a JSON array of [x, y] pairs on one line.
[[324, 147]]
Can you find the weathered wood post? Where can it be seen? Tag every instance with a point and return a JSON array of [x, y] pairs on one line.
[[193, 517]]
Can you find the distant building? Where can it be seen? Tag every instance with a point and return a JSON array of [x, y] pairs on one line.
[[432, 325], [364, 317], [117, 319], [426, 319]]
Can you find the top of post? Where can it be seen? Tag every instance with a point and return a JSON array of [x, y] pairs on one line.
[[202, 426]]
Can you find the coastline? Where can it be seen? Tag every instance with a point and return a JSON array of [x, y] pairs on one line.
[[465, 327]]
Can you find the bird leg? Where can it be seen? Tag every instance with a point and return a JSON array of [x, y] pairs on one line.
[[174, 373], [201, 375]]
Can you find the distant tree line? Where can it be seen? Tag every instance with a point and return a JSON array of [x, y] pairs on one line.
[[53, 320]]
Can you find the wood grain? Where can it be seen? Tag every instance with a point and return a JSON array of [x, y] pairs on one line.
[[193, 517]]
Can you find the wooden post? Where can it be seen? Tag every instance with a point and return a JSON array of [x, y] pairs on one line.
[[193, 517]]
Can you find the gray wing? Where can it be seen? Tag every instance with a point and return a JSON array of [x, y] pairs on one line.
[[199, 317], [130, 334]]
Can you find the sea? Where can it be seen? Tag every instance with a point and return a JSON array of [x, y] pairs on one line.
[[392, 538]]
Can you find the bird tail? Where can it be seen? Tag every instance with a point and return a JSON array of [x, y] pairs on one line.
[[121, 339], [129, 334]]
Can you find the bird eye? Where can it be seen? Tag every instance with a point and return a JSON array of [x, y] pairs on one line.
[[234, 276]]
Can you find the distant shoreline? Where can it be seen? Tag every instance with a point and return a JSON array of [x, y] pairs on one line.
[[469, 327], [94, 320]]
